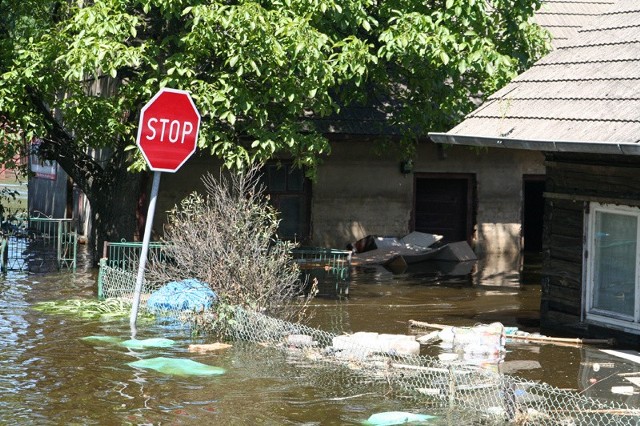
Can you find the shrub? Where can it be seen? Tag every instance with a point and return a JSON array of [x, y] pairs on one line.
[[228, 239]]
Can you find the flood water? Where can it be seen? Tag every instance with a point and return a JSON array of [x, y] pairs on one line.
[[50, 375]]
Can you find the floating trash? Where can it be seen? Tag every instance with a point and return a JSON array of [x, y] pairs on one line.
[[186, 295], [397, 418], [90, 309], [178, 367], [156, 342]]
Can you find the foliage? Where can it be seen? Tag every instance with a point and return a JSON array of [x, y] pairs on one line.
[[256, 68], [103, 310], [227, 238], [10, 209], [76, 73]]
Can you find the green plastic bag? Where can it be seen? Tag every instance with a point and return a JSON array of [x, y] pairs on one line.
[[178, 366], [101, 339]]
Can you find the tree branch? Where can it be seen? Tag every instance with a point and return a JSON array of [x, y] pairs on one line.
[[58, 145]]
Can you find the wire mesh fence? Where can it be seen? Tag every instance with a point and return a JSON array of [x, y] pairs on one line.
[[487, 395]]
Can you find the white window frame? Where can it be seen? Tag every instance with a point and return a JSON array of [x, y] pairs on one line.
[[594, 315]]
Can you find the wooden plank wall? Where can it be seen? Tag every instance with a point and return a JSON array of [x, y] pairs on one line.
[[572, 182]]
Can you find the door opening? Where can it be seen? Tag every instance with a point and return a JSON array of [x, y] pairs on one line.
[[532, 212], [443, 205]]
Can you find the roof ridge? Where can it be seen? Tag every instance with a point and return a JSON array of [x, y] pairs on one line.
[[568, 98], [579, 2], [557, 80]]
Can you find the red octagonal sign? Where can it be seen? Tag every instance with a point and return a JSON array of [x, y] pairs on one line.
[[168, 130]]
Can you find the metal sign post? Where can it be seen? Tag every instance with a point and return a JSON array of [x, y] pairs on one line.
[[144, 252], [167, 137]]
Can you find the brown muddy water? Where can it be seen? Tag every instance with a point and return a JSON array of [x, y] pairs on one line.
[[50, 375]]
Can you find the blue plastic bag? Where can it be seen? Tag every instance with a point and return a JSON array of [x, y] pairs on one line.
[[185, 295]]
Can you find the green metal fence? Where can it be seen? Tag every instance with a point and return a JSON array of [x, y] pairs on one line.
[[124, 256], [326, 265], [59, 234], [39, 244], [329, 266]]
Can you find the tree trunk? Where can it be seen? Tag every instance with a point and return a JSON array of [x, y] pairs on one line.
[[114, 211]]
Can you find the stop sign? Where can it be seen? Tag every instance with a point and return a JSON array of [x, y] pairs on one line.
[[168, 130]]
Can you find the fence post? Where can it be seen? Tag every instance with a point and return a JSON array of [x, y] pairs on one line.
[[452, 388], [103, 264], [4, 249]]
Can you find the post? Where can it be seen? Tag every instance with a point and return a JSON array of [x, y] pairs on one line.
[[143, 253]]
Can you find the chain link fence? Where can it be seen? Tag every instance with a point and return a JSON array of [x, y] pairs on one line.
[[489, 396]]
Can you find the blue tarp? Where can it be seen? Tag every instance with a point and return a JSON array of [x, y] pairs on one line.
[[185, 295]]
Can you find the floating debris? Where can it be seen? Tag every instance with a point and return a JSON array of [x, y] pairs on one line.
[[177, 366], [156, 342], [397, 418], [208, 347], [102, 339], [103, 310]]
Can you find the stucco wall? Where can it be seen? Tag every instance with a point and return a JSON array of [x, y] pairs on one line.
[[359, 193]]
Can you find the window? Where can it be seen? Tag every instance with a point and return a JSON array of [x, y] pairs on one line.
[[289, 192], [613, 286]]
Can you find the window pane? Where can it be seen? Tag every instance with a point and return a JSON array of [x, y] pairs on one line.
[[615, 263]]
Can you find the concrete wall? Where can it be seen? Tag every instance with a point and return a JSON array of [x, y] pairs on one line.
[[359, 193]]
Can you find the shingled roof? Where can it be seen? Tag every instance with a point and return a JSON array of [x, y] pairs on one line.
[[583, 97], [563, 18]]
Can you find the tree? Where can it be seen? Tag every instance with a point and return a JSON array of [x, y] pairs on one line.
[[77, 73]]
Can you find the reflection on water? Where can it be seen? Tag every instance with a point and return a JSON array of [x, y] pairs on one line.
[[50, 375]]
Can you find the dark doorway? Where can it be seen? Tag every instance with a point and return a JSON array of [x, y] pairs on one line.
[[533, 212], [444, 205], [289, 192]]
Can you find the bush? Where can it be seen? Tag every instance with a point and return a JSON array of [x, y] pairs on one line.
[[228, 239]]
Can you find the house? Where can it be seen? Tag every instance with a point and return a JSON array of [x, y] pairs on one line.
[[580, 107]]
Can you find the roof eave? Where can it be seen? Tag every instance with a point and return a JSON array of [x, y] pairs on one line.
[[591, 147]]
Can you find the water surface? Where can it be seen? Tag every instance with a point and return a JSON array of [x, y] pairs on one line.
[[50, 375]]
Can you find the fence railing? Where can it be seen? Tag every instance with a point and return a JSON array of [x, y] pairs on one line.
[[326, 265], [39, 243]]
